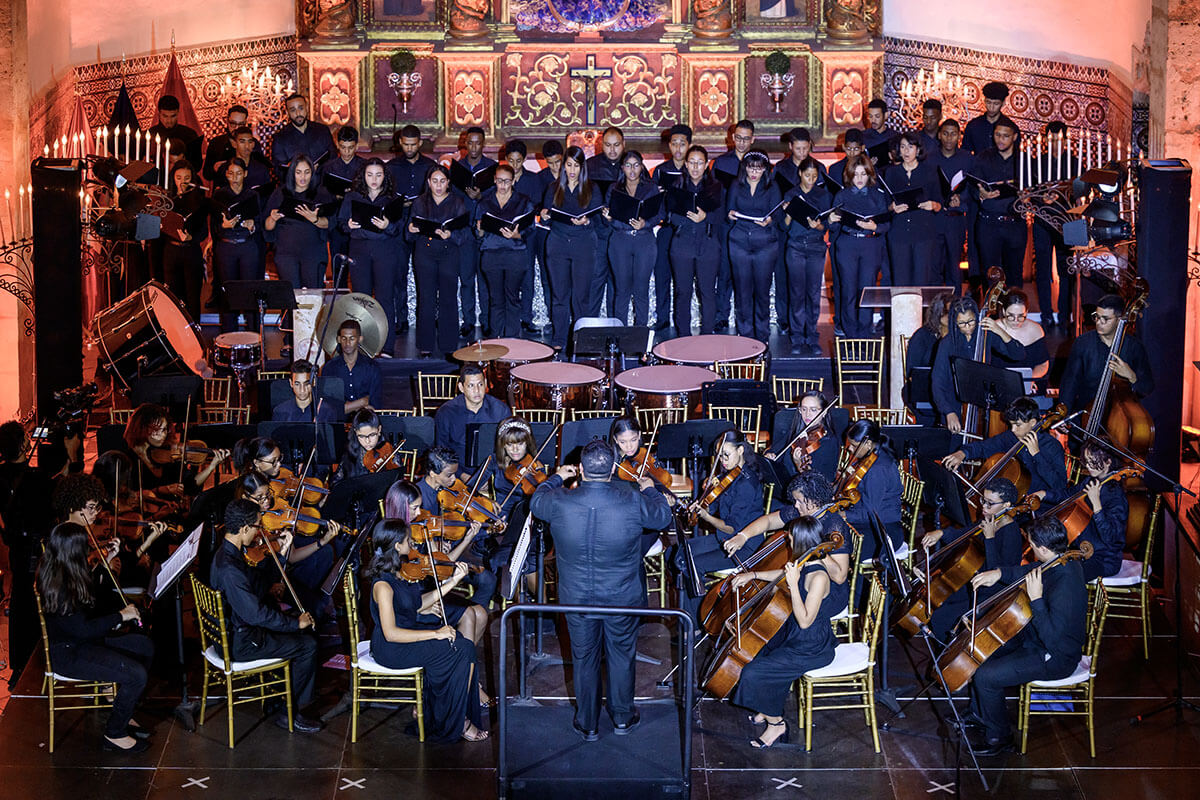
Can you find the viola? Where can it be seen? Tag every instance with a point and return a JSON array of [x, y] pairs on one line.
[[458, 498], [283, 516], [633, 468], [287, 483], [1075, 512], [381, 458], [193, 452], [850, 476], [526, 474], [425, 565], [449, 527], [997, 621], [715, 489], [257, 552]]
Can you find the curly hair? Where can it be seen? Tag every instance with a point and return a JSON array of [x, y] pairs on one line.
[[388, 189], [812, 486], [142, 422], [74, 492]]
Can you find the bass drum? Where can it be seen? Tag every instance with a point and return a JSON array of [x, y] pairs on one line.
[[148, 333]]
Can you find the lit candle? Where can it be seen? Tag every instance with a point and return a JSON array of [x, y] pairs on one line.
[[21, 211], [29, 191], [8, 205], [128, 134], [158, 153], [1087, 146], [1108, 143], [167, 164], [56, 148], [1039, 157], [46, 150], [1057, 156]]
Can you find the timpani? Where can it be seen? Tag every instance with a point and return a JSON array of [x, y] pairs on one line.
[[709, 348], [520, 351], [556, 384], [665, 386]]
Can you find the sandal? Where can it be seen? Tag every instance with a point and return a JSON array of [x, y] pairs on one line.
[[478, 735], [756, 719], [758, 744]]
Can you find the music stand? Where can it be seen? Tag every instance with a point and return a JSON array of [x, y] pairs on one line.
[[296, 439], [576, 434], [419, 432], [355, 494], [985, 386], [944, 491], [742, 393], [169, 391], [223, 434], [691, 440], [612, 344], [913, 441], [258, 296]]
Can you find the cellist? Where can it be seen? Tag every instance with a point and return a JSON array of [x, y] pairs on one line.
[[1092, 351], [960, 343], [1042, 454], [803, 643], [1049, 648]]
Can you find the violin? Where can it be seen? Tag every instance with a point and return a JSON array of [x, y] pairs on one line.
[[526, 474], [283, 516], [425, 565], [449, 527], [715, 488], [381, 458], [461, 500], [256, 553], [193, 452], [850, 476], [287, 483], [641, 464]]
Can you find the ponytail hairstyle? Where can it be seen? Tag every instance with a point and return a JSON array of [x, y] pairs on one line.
[[385, 560]]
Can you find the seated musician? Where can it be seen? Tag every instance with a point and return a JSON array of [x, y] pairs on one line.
[[403, 502], [625, 436], [514, 440], [803, 643], [83, 643], [738, 504], [359, 373], [311, 555], [366, 441], [260, 630], [1002, 545], [960, 343], [301, 406], [116, 472], [880, 489], [1016, 321], [922, 349], [473, 405], [824, 460], [1042, 455], [1092, 351], [1048, 648], [410, 632], [1110, 512], [146, 433]]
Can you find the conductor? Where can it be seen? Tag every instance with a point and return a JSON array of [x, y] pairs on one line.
[[597, 531]]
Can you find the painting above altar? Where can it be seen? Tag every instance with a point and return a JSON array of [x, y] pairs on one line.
[[573, 16]]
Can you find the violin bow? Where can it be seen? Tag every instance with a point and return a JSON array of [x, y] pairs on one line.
[[478, 480], [815, 421], [183, 453], [525, 470], [646, 461], [388, 460], [104, 563], [283, 573]]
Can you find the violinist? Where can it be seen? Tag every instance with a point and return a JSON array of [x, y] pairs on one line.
[[514, 447], [819, 449], [738, 504], [880, 489], [1042, 454], [260, 630], [1092, 351], [83, 644], [472, 405], [965, 328], [301, 407], [146, 438], [1047, 649], [258, 454], [366, 441], [1002, 544], [1110, 512], [803, 643], [625, 434]]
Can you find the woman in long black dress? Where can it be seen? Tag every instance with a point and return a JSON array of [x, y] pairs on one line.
[[401, 639], [805, 642]]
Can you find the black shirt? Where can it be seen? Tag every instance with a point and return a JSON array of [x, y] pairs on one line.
[[1085, 366]]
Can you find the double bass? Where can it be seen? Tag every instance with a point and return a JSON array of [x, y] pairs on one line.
[[989, 307]]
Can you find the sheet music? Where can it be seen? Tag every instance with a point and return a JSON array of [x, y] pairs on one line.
[[177, 562], [517, 564]]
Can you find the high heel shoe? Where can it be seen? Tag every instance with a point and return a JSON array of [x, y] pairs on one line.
[[139, 746], [758, 744]]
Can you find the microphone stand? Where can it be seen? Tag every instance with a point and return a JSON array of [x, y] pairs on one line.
[[337, 281]]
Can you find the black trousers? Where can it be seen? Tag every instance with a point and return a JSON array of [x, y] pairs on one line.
[[662, 275], [125, 660], [373, 272], [571, 262], [631, 257], [859, 258], [468, 282], [300, 647], [303, 268], [237, 261], [183, 272], [602, 279], [805, 272], [24, 631], [616, 639], [724, 275], [755, 258], [695, 261], [505, 271], [1048, 247], [1002, 244], [435, 267], [912, 256], [1014, 664], [951, 230]]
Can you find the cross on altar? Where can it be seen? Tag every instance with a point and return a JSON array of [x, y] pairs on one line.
[[589, 75]]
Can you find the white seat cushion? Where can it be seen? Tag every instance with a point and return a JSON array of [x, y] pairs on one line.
[[1083, 671], [655, 548], [843, 614], [847, 659], [213, 657], [65, 679], [1130, 574], [367, 663]]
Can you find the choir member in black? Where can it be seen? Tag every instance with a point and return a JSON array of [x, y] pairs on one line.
[[922, 348], [223, 148], [337, 176], [26, 517], [911, 238], [82, 642], [604, 169], [146, 435], [786, 174], [881, 488], [302, 406], [951, 222], [474, 161], [725, 168], [1092, 351], [752, 208], [631, 251], [667, 174], [931, 120], [597, 530], [1015, 319], [1110, 512], [1000, 230], [374, 256], [1042, 455], [876, 131], [301, 242], [978, 134], [259, 174], [362, 381], [301, 136], [695, 247], [532, 185], [825, 459], [805, 642], [260, 630], [571, 246], [960, 343], [1050, 252], [236, 250], [168, 127], [860, 250], [183, 252], [1047, 649], [472, 405], [408, 170], [436, 257], [804, 255], [504, 257], [1003, 548], [852, 147], [404, 636]]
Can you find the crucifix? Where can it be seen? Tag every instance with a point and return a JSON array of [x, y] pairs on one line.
[[589, 75]]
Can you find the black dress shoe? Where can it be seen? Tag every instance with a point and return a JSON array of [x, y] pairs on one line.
[[588, 736], [300, 723], [139, 746], [722, 325], [137, 732], [994, 747], [465, 330], [628, 726], [529, 327]]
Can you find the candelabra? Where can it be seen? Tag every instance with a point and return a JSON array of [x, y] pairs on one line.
[[261, 92], [935, 85]]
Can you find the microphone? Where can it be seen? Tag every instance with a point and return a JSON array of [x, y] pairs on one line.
[[344, 257], [1066, 420]]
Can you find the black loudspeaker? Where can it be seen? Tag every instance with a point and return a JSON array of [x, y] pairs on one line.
[[1162, 259], [57, 277]]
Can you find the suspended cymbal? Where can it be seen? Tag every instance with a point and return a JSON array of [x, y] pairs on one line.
[[369, 314], [480, 352]]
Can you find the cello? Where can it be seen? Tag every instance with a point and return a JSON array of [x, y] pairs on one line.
[[1075, 512], [1007, 465], [753, 625]]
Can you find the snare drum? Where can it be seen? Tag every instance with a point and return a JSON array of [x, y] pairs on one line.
[[665, 386], [238, 351], [148, 333], [709, 348], [556, 384], [520, 351]]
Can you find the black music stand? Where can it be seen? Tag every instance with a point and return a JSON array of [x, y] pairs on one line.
[[576, 434], [171, 391], [986, 386], [258, 296], [296, 439], [945, 492], [358, 494], [911, 442], [614, 345], [691, 440], [742, 393]]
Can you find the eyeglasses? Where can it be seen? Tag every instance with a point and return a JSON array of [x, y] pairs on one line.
[[503, 181], [1016, 317], [992, 503], [1103, 318], [363, 437], [91, 508], [737, 138], [691, 162], [271, 461]]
